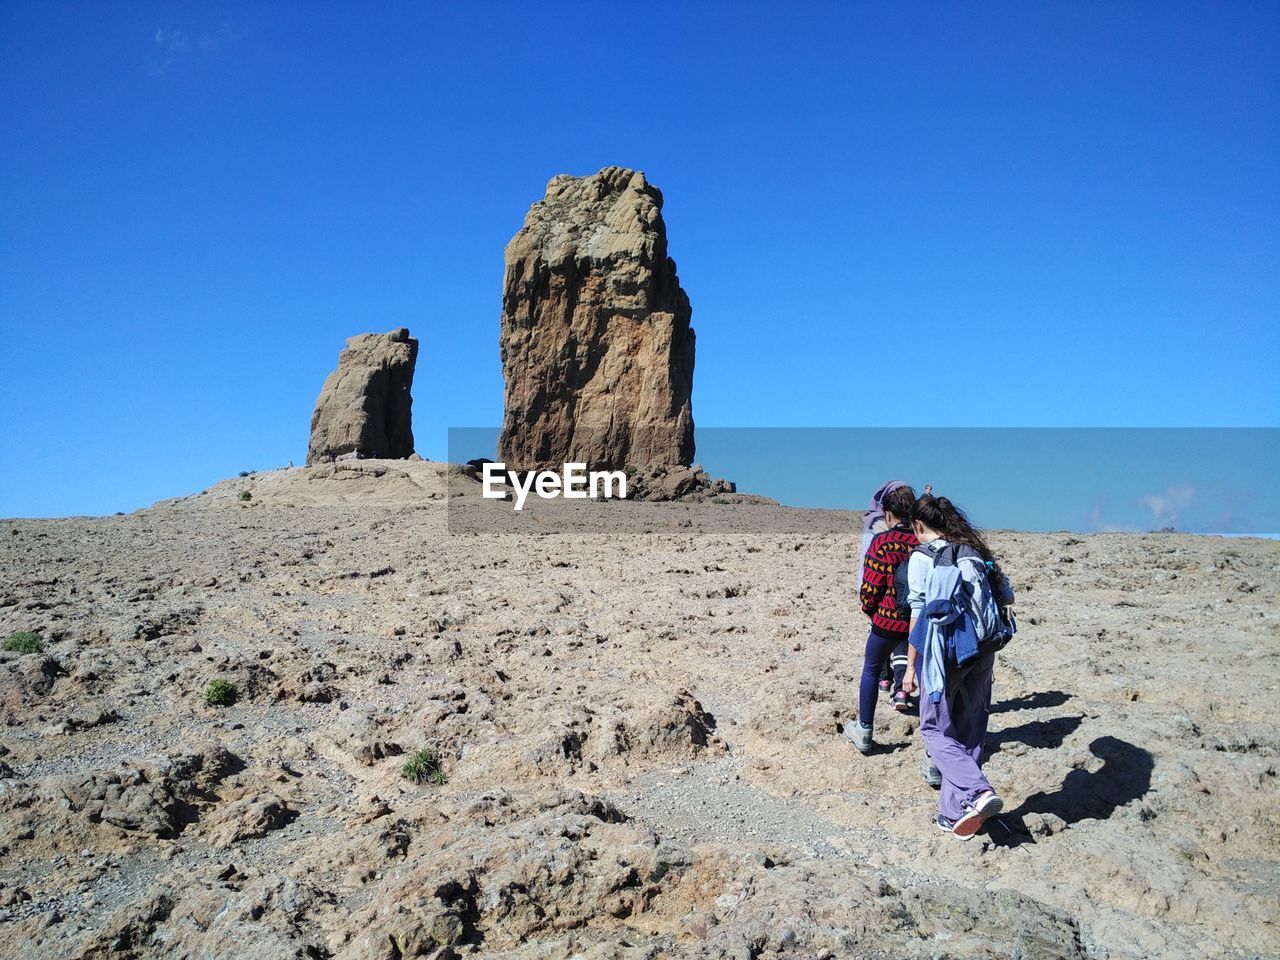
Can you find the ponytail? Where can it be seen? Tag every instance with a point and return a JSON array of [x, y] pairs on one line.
[[941, 515]]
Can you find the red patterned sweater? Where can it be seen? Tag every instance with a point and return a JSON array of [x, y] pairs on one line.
[[888, 549]]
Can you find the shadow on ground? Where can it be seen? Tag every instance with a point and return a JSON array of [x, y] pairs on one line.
[[1036, 733], [1032, 701], [1125, 776]]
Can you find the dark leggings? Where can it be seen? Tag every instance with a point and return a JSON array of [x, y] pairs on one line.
[[880, 647]]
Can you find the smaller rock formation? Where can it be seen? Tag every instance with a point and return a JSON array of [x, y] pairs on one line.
[[128, 800], [365, 408], [248, 817], [676, 482]]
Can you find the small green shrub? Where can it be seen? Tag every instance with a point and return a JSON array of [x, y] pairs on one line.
[[24, 641], [720, 500], [629, 470], [220, 693], [424, 766], [246, 495], [247, 473]]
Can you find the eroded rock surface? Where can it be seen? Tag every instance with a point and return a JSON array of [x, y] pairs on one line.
[[677, 482], [250, 816], [365, 408], [637, 734], [126, 800], [597, 350]]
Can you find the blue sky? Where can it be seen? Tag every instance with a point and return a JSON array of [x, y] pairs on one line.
[[1072, 210]]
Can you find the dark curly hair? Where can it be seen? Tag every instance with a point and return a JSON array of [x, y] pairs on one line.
[[900, 501]]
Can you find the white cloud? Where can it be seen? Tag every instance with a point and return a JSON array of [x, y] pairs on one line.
[[1166, 508], [172, 44], [1096, 522]]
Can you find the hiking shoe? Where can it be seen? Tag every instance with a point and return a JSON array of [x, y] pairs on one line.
[[932, 775], [886, 686], [859, 736], [901, 702], [949, 826], [987, 805]]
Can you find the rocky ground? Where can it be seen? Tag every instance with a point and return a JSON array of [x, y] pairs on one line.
[[633, 738]]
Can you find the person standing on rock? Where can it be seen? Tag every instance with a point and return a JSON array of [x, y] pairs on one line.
[[956, 594], [890, 622]]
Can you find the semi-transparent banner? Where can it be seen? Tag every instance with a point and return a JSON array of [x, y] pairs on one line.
[[1085, 480]]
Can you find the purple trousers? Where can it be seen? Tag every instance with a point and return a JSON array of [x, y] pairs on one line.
[[954, 730]]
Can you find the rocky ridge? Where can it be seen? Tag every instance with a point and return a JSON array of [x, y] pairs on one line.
[[638, 735]]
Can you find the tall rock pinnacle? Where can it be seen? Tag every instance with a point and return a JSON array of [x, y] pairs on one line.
[[365, 407], [597, 351]]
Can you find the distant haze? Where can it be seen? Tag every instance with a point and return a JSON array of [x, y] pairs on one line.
[[1084, 480]]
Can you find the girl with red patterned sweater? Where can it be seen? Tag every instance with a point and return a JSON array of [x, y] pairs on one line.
[[890, 623]]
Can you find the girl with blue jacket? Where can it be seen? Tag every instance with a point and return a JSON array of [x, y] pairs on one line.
[[955, 700]]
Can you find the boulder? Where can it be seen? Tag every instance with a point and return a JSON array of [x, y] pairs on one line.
[[365, 408], [193, 772], [125, 799], [25, 680], [597, 351], [676, 482], [251, 816]]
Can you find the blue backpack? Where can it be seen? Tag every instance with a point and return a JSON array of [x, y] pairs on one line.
[[998, 626]]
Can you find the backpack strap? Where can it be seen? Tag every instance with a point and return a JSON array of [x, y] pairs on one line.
[[901, 580], [928, 549], [944, 556]]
